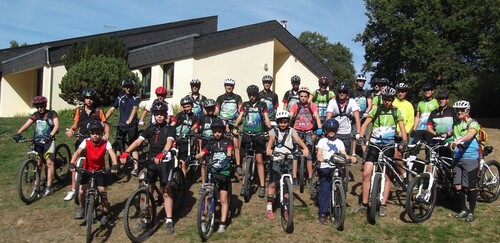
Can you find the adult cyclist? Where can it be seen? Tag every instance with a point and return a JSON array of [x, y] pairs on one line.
[[321, 97], [270, 98], [197, 98], [292, 96]]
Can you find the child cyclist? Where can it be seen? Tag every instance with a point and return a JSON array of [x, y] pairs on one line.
[[95, 147], [281, 139], [220, 148], [328, 146], [161, 138], [206, 133]]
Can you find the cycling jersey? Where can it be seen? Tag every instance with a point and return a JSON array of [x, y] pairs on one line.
[[425, 107], [197, 103], [44, 123], [95, 154], [254, 116], [157, 135], [384, 126], [361, 97], [170, 110], [271, 100], [470, 149], [228, 105], [342, 112], [183, 124], [321, 101], [442, 121], [408, 113], [218, 148], [291, 97], [126, 104], [377, 100], [205, 125]]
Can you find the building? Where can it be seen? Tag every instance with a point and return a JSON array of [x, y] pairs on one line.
[[171, 55]]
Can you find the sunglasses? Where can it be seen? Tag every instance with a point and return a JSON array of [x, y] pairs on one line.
[[342, 92], [39, 106], [388, 99], [95, 132], [459, 110]]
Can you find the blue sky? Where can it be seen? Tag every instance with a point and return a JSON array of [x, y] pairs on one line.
[[35, 21]]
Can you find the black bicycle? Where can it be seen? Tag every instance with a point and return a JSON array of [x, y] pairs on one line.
[[119, 145], [302, 162], [250, 174], [192, 150]]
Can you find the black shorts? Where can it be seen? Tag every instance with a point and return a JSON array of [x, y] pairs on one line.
[[222, 181], [276, 172], [372, 154], [130, 134], [259, 144], [161, 172], [100, 179], [42, 148]]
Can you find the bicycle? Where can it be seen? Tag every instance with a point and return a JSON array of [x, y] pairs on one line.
[[92, 199], [194, 165], [209, 202], [338, 200], [302, 162], [285, 189], [31, 177], [119, 145], [250, 172], [489, 184], [140, 207]]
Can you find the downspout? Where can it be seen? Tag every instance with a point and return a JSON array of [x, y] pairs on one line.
[[51, 88]]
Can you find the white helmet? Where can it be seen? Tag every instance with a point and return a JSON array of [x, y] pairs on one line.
[[388, 91], [462, 104], [304, 89], [229, 81], [282, 114], [361, 77]]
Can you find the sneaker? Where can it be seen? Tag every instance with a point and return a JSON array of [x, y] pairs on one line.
[[170, 228], [262, 192], [104, 220], [239, 171], [383, 211], [322, 219], [222, 229], [79, 213], [361, 209], [295, 182], [470, 217], [135, 172], [70, 195], [270, 214], [242, 191], [48, 191], [462, 214]]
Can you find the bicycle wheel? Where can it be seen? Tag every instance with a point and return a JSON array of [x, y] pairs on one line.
[[205, 217], [178, 188], [314, 186], [139, 215], [28, 181], [247, 181], [61, 162], [338, 206], [89, 216], [302, 171], [374, 199], [287, 206], [122, 168], [420, 198], [345, 177], [489, 185]]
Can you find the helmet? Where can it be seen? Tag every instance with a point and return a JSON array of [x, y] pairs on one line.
[[127, 83], [402, 86], [161, 90], [89, 93], [159, 106], [295, 79], [462, 104], [186, 100], [427, 86], [282, 115], [39, 100], [195, 82], [218, 123], [330, 124], [360, 77], [388, 91], [229, 81], [383, 81], [342, 86], [252, 90], [95, 125], [442, 94], [304, 89], [208, 103], [323, 81], [267, 78]]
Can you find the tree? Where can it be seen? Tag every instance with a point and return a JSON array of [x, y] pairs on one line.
[[14, 44], [94, 47], [453, 44], [337, 57]]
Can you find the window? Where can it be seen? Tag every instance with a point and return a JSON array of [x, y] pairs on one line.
[[146, 83], [168, 79]]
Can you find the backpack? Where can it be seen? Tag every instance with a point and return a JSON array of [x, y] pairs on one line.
[[328, 98], [481, 136], [292, 120], [283, 140], [343, 112]]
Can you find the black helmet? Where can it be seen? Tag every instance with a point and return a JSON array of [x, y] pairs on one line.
[[252, 90], [159, 106], [95, 125], [427, 86], [383, 81], [442, 95], [401, 86], [218, 123], [209, 103], [295, 79], [186, 100], [89, 93], [267, 78], [342, 86], [127, 83]]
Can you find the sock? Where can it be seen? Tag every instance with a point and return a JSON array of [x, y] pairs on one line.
[[404, 175], [364, 204], [461, 198], [269, 207], [472, 201], [168, 220]]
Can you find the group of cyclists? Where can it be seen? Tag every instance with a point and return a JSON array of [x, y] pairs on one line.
[[322, 122]]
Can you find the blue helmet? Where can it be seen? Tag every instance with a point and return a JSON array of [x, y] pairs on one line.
[[330, 124]]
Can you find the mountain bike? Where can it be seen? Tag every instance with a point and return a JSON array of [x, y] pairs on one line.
[[302, 162], [489, 184], [285, 189], [32, 174], [209, 202], [194, 165], [338, 197], [250, 174], [119, 145]]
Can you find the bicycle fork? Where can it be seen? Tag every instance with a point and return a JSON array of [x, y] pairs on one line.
[[282, 183]]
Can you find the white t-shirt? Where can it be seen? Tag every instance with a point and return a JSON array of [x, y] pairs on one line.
[[170, 111], [328, 148], [344, 121]]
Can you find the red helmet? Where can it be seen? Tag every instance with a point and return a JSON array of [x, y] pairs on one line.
[[323, 81], [161, 91], [39, 100]]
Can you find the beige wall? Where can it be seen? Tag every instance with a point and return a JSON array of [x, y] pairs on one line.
[[17, 92], [53, 77]]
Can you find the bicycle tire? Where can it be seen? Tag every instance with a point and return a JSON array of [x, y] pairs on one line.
[[178, 188], [206, 204], [247, 181], [489, 184], [314, 186], [89, 216], [138, 227], [28, 181], [61, 163], [345, 177], [302, 179], [374, 200], [416, 207], [338, 206], [286, 207], [122, 168]]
